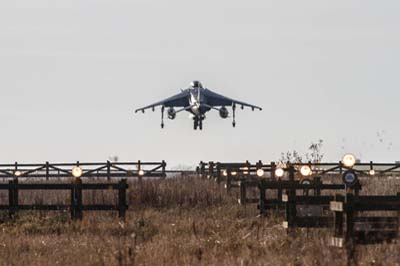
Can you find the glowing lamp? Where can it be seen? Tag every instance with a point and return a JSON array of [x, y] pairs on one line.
[[141, 172], [77, 172], [305, 170], [260, 172], [372, 172], [233, 173], [17, 173], [225, 173], [349, 160], [279, 172]]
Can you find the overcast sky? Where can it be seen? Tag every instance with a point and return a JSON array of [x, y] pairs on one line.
[[72, 72]]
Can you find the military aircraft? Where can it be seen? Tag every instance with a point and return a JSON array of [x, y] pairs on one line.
[[197, 100]]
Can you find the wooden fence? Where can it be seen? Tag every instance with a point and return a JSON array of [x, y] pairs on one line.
[[106, 170], [352, 226], [76, 206]]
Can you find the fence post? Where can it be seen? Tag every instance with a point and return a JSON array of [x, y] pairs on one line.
[[273, 167], [122, 206], [242, 192], [261, 187], [15, 195], [164, 164], [218, 170], [317, 183], [292, 192], [349, 226], [338, 219], [228, 180], [12, 197], [47, 171], [76, 199], [202, 169], [108, 170], [211, 169], [292, 196], [292, 210], [248, 165], [73, 205]]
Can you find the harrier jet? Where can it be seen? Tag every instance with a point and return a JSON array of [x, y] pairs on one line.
[[197, 100]]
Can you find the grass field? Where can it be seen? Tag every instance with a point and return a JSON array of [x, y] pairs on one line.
[[183, 221]]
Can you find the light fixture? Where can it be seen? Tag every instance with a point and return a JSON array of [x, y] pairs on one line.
[[349, 160], [141, 172], [372, 172], [350, 178], [279, 172], [17, 173], [77, 172], [233, 173], [225, 173], [260, 172], [305, 181], [305, 170]]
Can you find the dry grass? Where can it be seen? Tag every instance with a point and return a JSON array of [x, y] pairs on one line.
[[171, 222]]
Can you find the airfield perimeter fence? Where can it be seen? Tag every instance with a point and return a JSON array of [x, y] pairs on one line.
[[76, 178], [76, 188], [321, 195], [107, 170], [109, 176]]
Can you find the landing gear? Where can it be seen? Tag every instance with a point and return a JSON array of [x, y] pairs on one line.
[[162, 117], [198, 123], [233, 111]]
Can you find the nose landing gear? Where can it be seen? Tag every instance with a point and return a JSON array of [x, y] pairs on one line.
[[198, 123]]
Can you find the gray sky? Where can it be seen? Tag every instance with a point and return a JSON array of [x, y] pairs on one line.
[[72, 72]]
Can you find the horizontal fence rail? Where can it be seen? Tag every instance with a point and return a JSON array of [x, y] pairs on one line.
[[99, 170], [217, 170]]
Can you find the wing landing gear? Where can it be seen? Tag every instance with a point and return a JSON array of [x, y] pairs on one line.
[[162, 116], [233, 114]]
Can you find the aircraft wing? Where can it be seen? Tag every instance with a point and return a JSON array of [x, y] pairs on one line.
[[216, 99], [178, 100]]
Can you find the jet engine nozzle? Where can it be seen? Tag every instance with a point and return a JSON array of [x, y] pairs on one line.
[[171, 113], [223, 112]]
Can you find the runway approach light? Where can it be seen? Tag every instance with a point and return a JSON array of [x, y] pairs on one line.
[[260, 172], [245, 170], [77, 172], [233, 173], [350, 178], [372, 172], [279, 172], [141, 172], [349, 160], [305, 170], [225, 173], [17, 173], [305, 181]]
